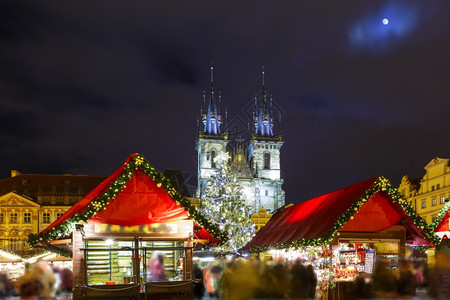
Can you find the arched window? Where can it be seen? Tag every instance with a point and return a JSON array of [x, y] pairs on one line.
[[213, 158], [266, 160]]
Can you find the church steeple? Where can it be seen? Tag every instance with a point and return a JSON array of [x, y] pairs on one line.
[[262, 119], [212, 120]]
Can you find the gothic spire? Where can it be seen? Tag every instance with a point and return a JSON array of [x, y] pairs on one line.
[[212, 120], [262, 119]]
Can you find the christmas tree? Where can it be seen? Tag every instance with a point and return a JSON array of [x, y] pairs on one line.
[[221, 202]]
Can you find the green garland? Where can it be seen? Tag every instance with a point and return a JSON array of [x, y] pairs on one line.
[[100, 203], [56, 250], [440, 215], [381, 184]]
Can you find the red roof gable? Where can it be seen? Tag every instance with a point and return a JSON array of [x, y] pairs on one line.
[[441, 222], [135, 194], [371, 205]]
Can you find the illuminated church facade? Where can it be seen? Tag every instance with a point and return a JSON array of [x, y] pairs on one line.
[[255, 162]]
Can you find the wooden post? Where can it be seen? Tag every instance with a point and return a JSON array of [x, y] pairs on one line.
[[189, 262], [78, 259], [136, 263]]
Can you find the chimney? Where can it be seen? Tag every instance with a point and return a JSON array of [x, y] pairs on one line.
[[15, 173]]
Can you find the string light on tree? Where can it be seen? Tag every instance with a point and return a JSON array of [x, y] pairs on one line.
[[221, 201]]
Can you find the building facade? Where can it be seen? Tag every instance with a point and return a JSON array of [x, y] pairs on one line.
[[429, 193], [31, 202], [255, 163]]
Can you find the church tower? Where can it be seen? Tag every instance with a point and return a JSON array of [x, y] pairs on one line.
[[264, 155], [212, 139]]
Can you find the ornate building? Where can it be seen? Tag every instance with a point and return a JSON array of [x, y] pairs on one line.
[[429, 193], [255, 163], [31, 202]]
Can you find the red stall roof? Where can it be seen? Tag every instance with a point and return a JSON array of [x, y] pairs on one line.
[[441, 222], [368, 206], [135, 194]]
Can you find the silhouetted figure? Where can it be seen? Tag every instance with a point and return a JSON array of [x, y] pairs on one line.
[[156, 267], [407, 282], [199, 288], [275, 283], [211, 278], [361, 287], [299, 281], [66, 280], [384, 281], [311, 282]]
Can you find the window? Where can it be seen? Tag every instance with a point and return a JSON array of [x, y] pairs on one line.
[[442, 201], [433, 202], [58, 215], [121, 264], [424, 204], [438, 186], [13, 218], [213, 159], [432, 187], [266, 161], [267, 193], [46, 217], [2, 218], [27, 217]]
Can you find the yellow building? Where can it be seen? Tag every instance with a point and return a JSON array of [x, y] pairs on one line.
[[428, 194], [261, 218], [31, 202]]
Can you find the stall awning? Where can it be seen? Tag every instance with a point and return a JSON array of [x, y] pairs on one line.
[[369, 206], [135, 194]]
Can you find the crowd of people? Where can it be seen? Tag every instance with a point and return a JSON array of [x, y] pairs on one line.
[[40, 281], [252, 279]]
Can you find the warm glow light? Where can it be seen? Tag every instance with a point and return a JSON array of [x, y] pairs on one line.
[[109, 242]]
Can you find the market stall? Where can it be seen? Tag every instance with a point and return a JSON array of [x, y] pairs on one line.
[[441, 227], [134, 229], [342, 232]]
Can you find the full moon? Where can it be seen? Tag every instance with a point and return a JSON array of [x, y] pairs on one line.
[[385, 21]]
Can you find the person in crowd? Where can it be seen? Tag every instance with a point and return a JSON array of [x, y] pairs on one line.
[[299, 280], [384, 282], [29, 286], [361, 288], [275, 283], [66, 280], [239, 280], [44, 273], [57, 272], [211, 278], [443, 273], [311, 282], [6, 286], [156, 267], [407, 281], [199, 288]]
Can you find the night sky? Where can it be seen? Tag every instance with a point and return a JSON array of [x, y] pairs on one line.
[[85, 84]]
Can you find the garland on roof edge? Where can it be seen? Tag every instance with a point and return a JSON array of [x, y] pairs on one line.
[[100, 203], [440, 216], [381, 184]]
